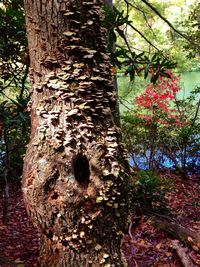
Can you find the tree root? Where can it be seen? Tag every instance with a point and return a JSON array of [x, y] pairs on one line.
[[183, 254], [179, 232]]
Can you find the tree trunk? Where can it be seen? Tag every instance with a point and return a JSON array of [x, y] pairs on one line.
[[75, 170], [183, 254], [177, 231]]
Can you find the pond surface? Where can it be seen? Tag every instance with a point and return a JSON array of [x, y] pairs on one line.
[[189, 80]]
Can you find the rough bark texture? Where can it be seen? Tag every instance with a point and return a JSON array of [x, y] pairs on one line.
[[183, 254], [177, 231], [74, 178]]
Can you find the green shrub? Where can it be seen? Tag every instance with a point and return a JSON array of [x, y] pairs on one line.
[[148, 191], [14, 137]]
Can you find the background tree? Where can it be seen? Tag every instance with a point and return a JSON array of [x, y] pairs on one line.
[[74, 179], [14, 94]]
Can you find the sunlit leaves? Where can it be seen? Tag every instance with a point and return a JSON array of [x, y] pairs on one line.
[[125, 57]]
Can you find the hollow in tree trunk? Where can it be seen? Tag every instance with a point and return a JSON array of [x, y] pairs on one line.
[[75, 171]]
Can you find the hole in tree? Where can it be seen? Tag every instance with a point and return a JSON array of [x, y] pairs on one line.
[[81, 169], [55, 195]]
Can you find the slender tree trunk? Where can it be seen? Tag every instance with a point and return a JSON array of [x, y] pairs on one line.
[[6, 173], [75, 171], [113, 48], [109, 2]]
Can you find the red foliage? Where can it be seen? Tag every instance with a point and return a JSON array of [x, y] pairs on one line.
[[157, 99]]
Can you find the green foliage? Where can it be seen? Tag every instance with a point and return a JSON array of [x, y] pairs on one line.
[[13, 46], [12, 27], [14, 89], [150, 33], [135, 64], [148, 191], [192, 26], [158, 65], [125, 57], [114, 19], [15, 135]]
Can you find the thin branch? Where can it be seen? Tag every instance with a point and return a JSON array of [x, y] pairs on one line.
[[165, 20], [196, 113], [135, 29], [141, 34], [127, 14], [5, 178], [135, 7], [125, 40], [143, 13], [23, 82], [195, 117], [135, 48]]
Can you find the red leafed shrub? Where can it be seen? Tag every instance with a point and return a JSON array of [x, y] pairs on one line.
[[156, 103], [161, 130]]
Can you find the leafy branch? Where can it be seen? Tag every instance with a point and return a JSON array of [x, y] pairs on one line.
[[125, 56]]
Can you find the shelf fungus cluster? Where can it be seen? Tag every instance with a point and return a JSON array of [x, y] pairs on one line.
[[79, 171]]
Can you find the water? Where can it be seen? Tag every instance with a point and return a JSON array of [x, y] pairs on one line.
[[192, 162], [189, 80]]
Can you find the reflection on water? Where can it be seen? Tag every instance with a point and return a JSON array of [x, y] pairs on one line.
[[163, 162], [189, 80]]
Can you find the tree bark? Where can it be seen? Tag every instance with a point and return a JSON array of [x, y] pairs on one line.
[[183, 254], [75, 170], [177, 231]]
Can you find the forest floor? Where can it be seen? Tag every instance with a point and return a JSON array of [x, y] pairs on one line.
[[144, 246]]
